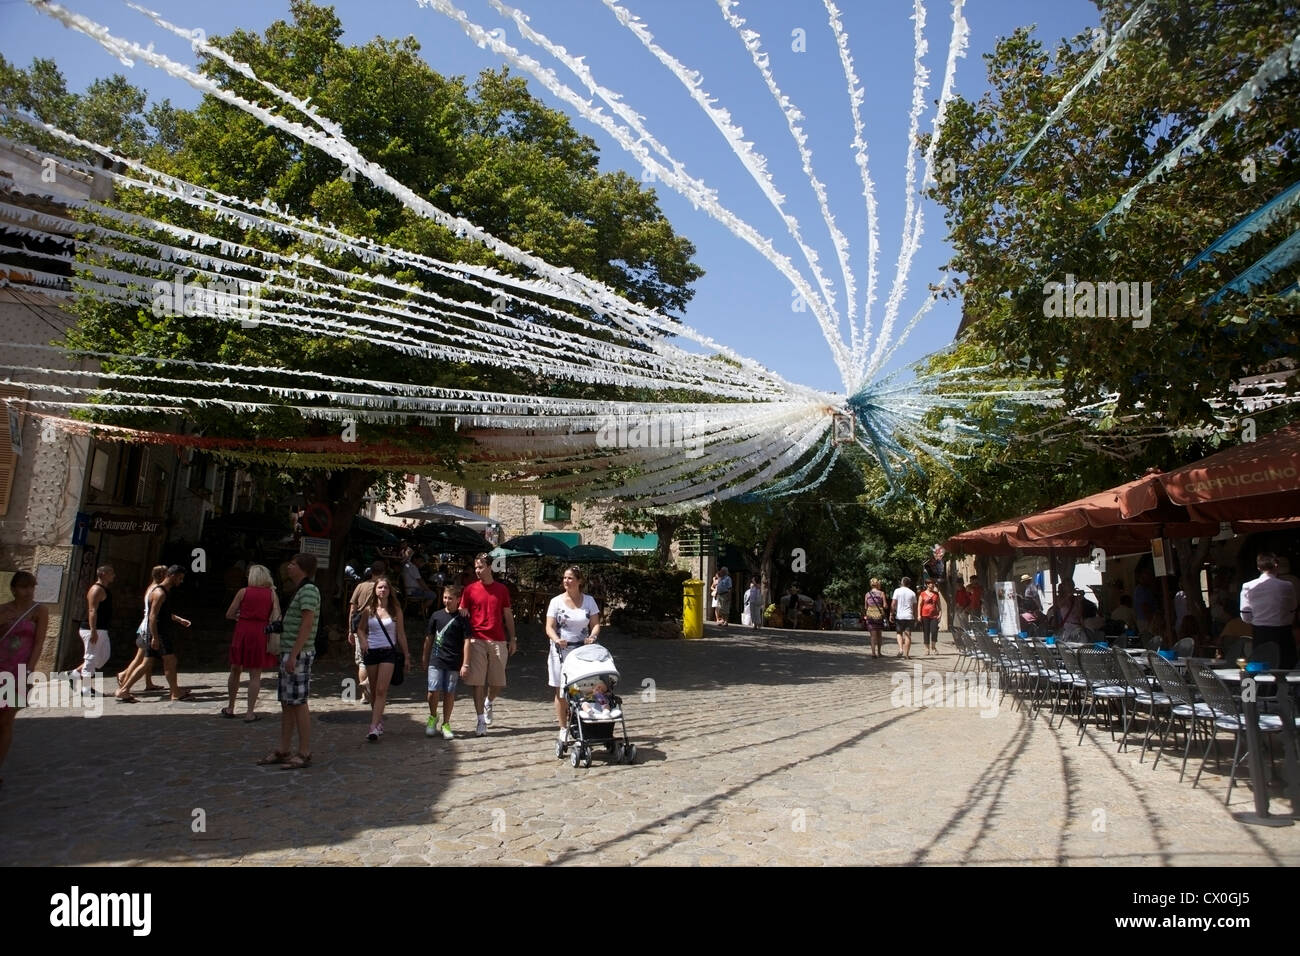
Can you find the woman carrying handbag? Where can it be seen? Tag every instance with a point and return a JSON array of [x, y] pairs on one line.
[[382, 633], [253, 609]]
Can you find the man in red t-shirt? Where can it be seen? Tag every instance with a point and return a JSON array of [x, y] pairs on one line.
[[961, 598], [486, 603]]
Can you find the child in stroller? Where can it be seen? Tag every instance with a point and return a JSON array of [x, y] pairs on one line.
[[589, 677]]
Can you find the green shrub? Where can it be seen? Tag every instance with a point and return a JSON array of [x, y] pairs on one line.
[[639, 593]]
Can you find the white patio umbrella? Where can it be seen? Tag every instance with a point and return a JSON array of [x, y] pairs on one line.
[[448, 513]]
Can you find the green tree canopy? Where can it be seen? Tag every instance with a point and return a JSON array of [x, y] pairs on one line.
[[488, 151], [1015, 232]]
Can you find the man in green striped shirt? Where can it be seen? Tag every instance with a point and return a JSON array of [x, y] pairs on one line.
[[297, 653]]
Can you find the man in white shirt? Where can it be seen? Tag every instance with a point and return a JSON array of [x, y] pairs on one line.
[[413, 582], [1268, 605], [902, 608], [1124, 614]]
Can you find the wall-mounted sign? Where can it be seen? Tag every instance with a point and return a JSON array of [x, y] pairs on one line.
[[49, 581], [319, 548], [80, 529], [1158, 551], [124, 524]]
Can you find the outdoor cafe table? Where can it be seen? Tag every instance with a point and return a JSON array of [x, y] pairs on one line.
[[1291, 761]]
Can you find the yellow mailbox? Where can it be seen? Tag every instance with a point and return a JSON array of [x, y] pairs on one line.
[[693, 609]]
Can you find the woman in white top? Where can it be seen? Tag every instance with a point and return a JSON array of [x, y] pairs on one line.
[[753, 605], [571, 618], [382, 634]]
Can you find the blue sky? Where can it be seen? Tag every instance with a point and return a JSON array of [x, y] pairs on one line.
[[743, 301]]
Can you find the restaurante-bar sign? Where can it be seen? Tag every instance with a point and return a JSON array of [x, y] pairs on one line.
[[124, 524]]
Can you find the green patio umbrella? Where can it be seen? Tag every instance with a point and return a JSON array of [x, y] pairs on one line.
[[537, 546], [594, 554]]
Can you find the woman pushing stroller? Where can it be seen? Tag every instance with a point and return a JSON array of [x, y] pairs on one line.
[[572, 618]]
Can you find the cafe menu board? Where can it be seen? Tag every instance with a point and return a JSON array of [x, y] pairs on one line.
[[1008, 609]]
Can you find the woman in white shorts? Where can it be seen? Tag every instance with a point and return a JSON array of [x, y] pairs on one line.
[[571, 618]]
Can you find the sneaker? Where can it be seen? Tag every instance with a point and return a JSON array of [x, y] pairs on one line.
[[563, 736], [431, 726], [487, 712], [380, 727], [481, 728], [373, 735], [446, 732]]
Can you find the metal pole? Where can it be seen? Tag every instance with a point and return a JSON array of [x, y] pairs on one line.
[[1255, 757]]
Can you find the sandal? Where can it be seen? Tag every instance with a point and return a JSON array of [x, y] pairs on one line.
[[251, 719], [126, 699], [225, 712], [275, 756], [297, 762]]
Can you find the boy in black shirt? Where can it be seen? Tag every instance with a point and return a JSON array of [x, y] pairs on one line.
[[446, 649]]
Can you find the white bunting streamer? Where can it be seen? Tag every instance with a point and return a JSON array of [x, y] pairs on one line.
[[856, 97], [754, 163], [911, 241], [740, 428], [699, 194], [1280, 64], [793, 117]]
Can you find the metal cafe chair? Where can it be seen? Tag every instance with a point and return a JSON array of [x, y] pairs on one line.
[[1105, 684], [966, 654], [1146, 695], [1054, 675], [1187, 708], [1227, 716], [995, 658], [1022, 666], [1078, 684]]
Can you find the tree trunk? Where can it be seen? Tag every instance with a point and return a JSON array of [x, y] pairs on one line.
[[666, 527], [342, 493], [949, 575], [765, 564]]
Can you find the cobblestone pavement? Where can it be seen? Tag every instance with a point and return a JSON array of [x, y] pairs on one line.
[[775, 747]]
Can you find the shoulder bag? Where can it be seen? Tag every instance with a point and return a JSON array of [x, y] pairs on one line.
[[399, 659]]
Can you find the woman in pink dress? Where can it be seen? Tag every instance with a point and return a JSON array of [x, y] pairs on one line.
[[252, 608], [23, 623]]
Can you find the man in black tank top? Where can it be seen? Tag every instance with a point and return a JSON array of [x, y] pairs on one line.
[[94, 636]]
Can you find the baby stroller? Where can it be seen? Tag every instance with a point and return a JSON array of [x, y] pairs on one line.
[[588, 678]]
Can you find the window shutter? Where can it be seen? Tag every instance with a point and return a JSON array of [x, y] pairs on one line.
[[8, 460]]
